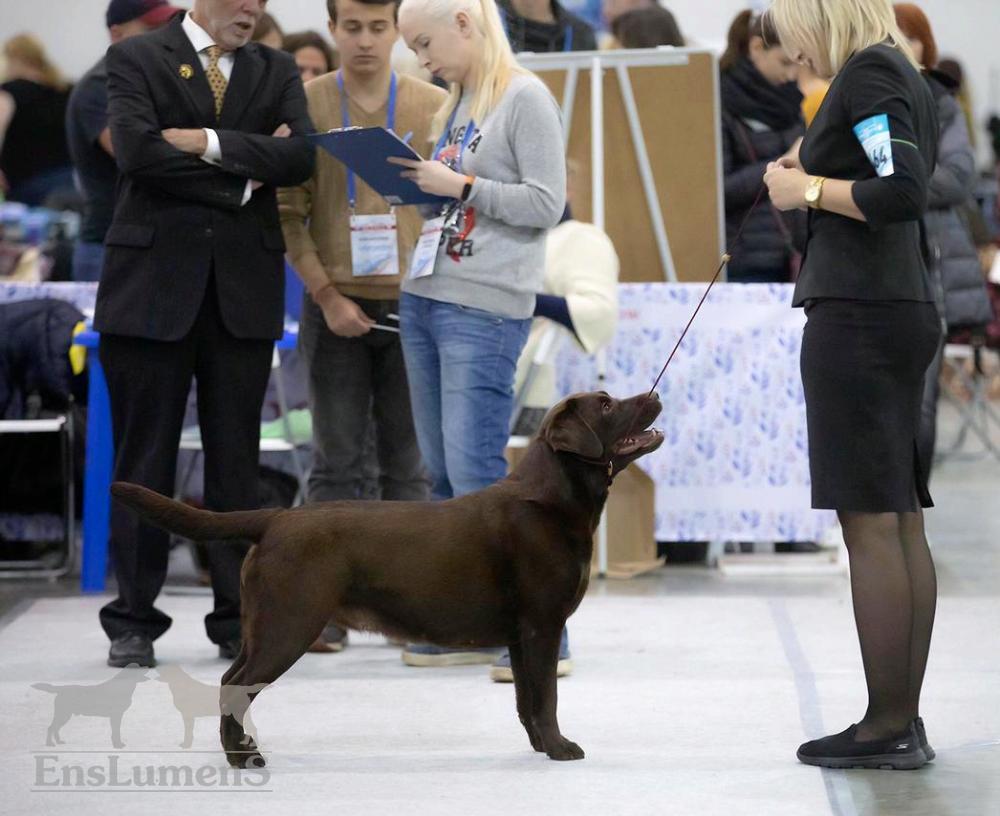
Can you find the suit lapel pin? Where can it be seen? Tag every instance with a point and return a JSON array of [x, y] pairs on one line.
[[186, 71]]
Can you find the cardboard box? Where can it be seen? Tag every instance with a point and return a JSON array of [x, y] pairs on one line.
[[630, 521], [631, 525]]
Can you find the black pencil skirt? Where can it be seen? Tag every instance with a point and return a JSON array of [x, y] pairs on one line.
[[863, 366]]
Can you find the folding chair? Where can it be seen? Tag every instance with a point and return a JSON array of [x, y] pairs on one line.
[[978, 416]]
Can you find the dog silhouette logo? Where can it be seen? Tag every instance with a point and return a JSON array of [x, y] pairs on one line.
[[110, 699], [193, 699]]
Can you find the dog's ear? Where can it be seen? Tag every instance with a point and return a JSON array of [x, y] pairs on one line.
[[567, 431]]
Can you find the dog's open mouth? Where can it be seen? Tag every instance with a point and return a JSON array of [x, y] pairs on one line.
[[642, 441]]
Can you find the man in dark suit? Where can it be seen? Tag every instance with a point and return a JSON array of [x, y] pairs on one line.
[[205, 125]]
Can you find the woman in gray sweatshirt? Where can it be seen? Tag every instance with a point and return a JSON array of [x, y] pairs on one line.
[[467, 303]]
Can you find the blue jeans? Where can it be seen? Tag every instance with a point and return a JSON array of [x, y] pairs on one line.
[[460, 363], [88, 261]]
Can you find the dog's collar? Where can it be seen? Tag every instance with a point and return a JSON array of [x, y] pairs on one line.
[[609, 465]]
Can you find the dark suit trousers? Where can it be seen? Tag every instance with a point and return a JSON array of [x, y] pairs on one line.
[[148, 384]]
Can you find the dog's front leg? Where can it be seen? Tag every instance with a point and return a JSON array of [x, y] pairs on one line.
[[522, 691], [540, 654]]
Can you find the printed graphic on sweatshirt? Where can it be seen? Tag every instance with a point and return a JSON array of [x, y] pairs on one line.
[[457, 241], [875, 138], [453, 146], [458, 244]]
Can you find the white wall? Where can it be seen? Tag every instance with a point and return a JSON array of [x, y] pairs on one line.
[[74, 32]]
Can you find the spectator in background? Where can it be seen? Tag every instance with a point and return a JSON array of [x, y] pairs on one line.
[[952, 68], [34, 158], [959, 288], [544, 26], [613, 9], [268, 32], [355, 367], [313, 55], [647, 28], [761, 121], [90, 138]]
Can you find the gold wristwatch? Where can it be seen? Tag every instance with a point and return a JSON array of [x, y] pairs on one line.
[[814, 192]]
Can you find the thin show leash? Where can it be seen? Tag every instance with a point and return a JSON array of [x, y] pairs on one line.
[[726, 258]]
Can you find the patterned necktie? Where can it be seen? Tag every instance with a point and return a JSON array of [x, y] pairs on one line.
[[216, 79]]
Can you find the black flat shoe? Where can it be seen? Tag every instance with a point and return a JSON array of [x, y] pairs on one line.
[[918, 723], [131, 649], [901, 752], [228, 650]]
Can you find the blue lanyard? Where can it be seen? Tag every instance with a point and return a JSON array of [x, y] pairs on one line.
[[466, 140], [345, 116], [567, 32]]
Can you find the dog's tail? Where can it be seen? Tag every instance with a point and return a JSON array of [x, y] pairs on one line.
[[190, 522], [45, 687]]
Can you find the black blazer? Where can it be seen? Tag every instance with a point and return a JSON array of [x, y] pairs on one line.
[[178, 218], [882, 259]]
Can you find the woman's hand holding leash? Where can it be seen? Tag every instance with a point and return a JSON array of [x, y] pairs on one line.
[[786, 184]]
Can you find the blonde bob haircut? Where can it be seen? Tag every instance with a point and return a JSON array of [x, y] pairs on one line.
[[834, 30], [497, 64]]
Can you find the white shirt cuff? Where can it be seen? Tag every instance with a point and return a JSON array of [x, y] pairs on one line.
[[247, 192], [213, 152]]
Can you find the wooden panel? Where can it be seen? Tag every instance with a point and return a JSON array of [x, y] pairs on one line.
[[677, 116]]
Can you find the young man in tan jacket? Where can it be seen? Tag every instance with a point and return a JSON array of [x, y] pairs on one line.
[[350, 249]]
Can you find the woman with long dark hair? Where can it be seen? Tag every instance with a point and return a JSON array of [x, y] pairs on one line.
[[761, 121]]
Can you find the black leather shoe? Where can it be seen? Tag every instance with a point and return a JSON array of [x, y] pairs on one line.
[[918, 723], [901, 752], [132, 648], [229, 649]]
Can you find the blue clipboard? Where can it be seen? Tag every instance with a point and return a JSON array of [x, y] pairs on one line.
[[365, 151]]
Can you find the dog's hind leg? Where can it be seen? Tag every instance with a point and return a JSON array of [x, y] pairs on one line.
[[522, 692], [540, 653], [241, 658], [267, 657]]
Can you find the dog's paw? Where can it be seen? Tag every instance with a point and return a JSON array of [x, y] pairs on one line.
[[563, 749], [246, 760]]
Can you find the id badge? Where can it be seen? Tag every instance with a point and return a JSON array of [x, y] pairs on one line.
[[374, 245], [425, 253]]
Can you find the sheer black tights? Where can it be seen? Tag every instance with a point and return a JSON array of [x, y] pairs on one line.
[[894, 589]]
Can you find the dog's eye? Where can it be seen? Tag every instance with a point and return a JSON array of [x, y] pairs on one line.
[[606, 406]]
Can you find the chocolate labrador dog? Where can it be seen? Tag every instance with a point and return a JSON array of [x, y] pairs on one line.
[[505, 566]]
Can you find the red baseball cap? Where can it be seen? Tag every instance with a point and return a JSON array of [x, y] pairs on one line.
[[150, 12]]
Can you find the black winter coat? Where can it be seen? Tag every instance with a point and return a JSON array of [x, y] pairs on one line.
[[760, 122]]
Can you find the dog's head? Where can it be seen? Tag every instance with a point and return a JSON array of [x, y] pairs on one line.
[[599, 428]]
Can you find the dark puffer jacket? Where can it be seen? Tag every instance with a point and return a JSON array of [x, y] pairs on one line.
[[760, 122], [35, 336], [959, 283]]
